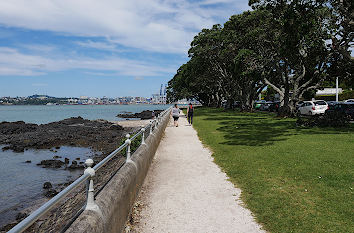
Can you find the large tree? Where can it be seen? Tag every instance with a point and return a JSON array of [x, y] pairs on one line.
[[302, 53], [294, 47]]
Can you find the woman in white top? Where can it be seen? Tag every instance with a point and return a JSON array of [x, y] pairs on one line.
[[175, 115]]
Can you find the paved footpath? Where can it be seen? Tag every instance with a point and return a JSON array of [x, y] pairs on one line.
[[185, 191]]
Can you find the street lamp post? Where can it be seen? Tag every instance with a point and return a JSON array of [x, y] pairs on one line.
[[337, 89]]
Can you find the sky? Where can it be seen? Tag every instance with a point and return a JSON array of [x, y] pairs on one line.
[[99, 48]]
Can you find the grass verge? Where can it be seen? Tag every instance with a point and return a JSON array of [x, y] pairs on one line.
[[292, 179]]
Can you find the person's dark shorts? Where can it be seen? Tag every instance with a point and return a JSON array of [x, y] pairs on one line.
[[175, 118]]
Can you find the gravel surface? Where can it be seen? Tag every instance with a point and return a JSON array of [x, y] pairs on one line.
[[185, 191]]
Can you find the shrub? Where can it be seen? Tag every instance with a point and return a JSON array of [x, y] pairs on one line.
[[331, 119]]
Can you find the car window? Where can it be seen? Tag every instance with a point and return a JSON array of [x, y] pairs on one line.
[[317, 103]]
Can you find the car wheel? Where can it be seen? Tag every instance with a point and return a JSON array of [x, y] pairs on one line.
[[310, 113]]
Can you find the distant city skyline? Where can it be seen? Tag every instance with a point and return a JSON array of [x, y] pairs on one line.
[[157, 92], [100, 48], [82, 100]]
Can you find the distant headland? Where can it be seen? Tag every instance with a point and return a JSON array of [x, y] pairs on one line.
[[82, 100]]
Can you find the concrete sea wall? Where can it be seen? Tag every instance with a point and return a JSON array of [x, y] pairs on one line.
[[115, 201]]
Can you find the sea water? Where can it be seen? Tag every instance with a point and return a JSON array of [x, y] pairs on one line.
[[42, 114], [21, 183]]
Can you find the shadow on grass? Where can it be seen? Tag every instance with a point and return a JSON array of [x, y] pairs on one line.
[[261, 128]]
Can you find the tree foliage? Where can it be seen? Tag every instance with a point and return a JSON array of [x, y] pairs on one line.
[[291, 46]]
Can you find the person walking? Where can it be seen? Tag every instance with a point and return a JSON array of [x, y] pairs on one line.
[[175, 115], [190, 111]]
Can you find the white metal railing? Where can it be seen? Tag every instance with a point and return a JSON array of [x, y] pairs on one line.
[[88, 175]]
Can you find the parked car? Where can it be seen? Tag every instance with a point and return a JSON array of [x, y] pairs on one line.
[[274, 106], [298, 104], [332, 104], [346, 108], [259, 103], [349, 101], [265, 106], [313, 107]]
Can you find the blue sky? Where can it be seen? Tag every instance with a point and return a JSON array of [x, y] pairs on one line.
[[100, 47]]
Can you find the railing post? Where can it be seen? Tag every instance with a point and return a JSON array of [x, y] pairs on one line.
[[129, 142], [90, 202], [151, 133], [156, 123], [143, 136]]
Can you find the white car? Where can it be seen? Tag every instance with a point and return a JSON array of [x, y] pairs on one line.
[[313, 107], [349, 101]]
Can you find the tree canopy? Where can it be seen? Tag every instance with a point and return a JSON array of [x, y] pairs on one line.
[[291, 46]]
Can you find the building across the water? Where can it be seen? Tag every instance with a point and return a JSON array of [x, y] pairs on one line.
[[161, 97]]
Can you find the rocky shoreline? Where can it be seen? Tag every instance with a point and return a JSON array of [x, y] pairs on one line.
[[99, 135], [144, 115]]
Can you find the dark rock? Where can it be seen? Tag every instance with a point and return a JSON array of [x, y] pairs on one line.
[[75, 131], [66, 160], [116, 127], [28, 161], [18, 148], [81, 162], [51, 193], [77, 158], [75, 166], [51, 163], [57, 147], [74, 162], [56, 157], [147, 114], [21, 216], [124, 115], [6, 148], [47, 185], [16, 127], [157, 112]]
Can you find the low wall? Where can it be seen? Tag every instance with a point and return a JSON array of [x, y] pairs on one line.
[[115, 201]]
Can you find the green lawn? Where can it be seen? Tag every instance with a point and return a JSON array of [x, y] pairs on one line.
[[292, 179]]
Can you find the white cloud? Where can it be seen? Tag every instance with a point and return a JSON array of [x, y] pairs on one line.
[[153, 25], [39, 48], [100, 73], [13, 62], [99, 45]]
